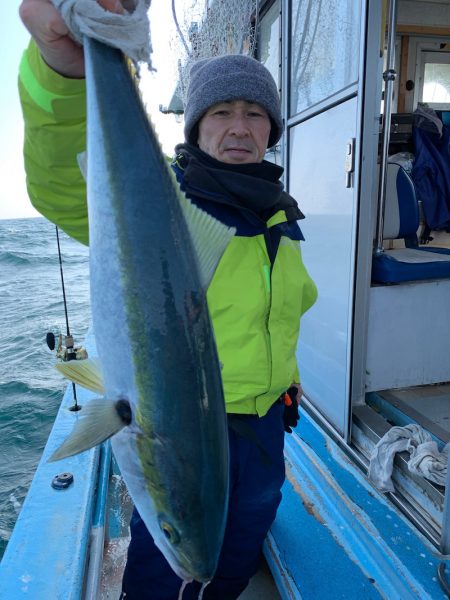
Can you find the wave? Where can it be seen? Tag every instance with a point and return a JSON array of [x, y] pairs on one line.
[[5, 534], [14, 387], [28, 239], [18, 258], [15, 502], [20, 403], [20, 387]]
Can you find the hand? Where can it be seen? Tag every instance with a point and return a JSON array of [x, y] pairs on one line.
[[58, 49], [291, 413]]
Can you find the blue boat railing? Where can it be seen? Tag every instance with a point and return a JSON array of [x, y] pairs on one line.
[[94, 571]]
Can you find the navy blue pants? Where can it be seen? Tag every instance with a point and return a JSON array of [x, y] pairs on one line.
[[256, 477]]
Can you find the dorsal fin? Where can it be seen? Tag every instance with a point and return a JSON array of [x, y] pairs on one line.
[[209, 236]]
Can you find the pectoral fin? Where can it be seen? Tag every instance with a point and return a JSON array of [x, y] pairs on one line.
[[100, 420]]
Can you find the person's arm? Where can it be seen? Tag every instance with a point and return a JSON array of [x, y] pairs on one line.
[[52, 94], [54, 111]]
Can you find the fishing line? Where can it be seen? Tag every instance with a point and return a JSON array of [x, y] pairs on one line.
[[200, 596], [183, 587], [69, 340], [62, 281]]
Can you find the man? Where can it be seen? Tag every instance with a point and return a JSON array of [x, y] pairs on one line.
[[258, 293]]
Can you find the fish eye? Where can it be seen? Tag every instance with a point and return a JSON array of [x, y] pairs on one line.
[[170, 533]]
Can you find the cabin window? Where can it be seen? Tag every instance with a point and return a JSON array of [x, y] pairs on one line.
[[269, 53], [269, 41], [429, 71], [436, 79], [325, 50]]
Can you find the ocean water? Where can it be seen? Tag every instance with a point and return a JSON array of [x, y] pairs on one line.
[[31, 304]]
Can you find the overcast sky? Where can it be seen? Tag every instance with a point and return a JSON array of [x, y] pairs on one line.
[[14, 38]]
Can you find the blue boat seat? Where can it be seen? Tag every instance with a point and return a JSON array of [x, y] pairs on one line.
[[401, 221]]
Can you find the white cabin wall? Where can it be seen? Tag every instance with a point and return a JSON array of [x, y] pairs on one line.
[[408, 335]]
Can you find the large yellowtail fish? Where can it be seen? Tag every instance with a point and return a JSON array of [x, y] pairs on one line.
[[152, 256]]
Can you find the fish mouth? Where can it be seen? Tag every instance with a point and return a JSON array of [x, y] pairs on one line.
[[188, 571], [188, 555], [203, 575]]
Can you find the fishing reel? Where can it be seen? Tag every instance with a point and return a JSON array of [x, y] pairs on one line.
[[65, 351]]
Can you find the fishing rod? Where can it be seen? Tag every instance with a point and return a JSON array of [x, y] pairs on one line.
[[69, 339], [69, 353]]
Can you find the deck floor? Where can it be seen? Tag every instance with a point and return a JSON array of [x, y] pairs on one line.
[[261, 586], [427, 405]]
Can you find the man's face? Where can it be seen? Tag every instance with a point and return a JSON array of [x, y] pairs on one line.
[[235, 132]]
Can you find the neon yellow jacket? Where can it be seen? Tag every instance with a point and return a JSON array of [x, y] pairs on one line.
[[255, 310]]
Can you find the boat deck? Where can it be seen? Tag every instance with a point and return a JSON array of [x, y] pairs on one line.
[[331, 521], [427, 405]]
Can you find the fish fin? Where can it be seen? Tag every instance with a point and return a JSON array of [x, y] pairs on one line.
[[83, 372], [99, 421], [209, 236]]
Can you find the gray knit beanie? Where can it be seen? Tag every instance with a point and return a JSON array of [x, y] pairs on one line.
[[227, 78]]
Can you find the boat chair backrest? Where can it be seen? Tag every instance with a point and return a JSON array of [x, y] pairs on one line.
[[401, 213], [401, 221]]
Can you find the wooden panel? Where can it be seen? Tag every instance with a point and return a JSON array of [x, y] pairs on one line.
[[421, 30], [403, 72]]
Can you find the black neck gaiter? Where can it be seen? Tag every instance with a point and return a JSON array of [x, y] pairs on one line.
[[255, 187]]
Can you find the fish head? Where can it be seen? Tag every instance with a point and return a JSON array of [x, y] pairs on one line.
[[190, 551], [185, 520], [189, 503]]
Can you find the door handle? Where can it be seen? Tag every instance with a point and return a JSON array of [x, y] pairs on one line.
[[349, 161]]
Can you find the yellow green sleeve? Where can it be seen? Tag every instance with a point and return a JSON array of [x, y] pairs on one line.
[[54, 112]]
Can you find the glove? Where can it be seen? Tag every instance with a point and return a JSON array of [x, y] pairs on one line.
[[291, 414]]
